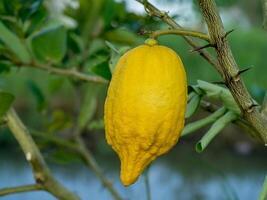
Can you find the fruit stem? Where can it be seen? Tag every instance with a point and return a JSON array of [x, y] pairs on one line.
[[184, 32]]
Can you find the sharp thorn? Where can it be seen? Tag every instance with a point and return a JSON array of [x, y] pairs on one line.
[[237, 76], [227, 33], [219, 82], [202, 47], [243, 70], [250, 109]]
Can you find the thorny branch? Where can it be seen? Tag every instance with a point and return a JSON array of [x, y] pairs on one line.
[[153, 11], [230, 71], [225, 63]]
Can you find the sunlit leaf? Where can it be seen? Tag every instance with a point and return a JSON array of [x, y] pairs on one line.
[[115, 54], [50, 44], [14, 44], [219, 93], [89, 105], [192, 105], [215, 129]]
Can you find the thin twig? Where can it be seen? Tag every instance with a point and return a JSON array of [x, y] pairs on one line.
[[88, 158], [72, 73], [55, 140], [183, 32], [19, 189], [85, 154]]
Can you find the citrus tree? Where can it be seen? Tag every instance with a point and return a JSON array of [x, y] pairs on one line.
[[93, 50]]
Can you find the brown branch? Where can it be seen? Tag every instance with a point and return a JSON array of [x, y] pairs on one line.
[[229, 69], [182, 32], [42, 173], [88, 158], [153, 11], [85, 154], [71, 73]]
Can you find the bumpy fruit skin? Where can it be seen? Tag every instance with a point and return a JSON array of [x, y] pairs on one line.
[[145, 107]]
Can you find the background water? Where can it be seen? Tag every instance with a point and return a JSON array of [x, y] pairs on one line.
[[208, 176]]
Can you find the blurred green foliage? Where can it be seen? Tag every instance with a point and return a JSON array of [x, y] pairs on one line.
[[31, 33]]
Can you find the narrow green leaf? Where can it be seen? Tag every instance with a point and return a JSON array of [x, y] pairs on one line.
[[190, 96], [219, 93], [115, 55], [102, 69], [37, 94], [192, 105], [96, 125], [6, 99], [215, 129], [190, 128], [88, 107], [4, 66], [14, 44], [50, 44], [123, 36], [112, 47], [60, 121]]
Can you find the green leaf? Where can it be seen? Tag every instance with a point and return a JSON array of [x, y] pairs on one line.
[[123, 36], [191, 127], [89, 105], [50, 44], [96, 125], [216, 128], [115, 54], [99, 66], [6, 99], [192, 105], [38, 95], [75, 42], [29, 7], [60, 121], [37, 21], [14, 44], [219, 93], [4, 66]]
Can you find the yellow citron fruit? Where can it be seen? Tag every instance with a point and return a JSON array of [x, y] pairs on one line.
[[145, 106]]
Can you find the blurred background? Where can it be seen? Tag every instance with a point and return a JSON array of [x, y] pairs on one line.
[[83, 34]]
